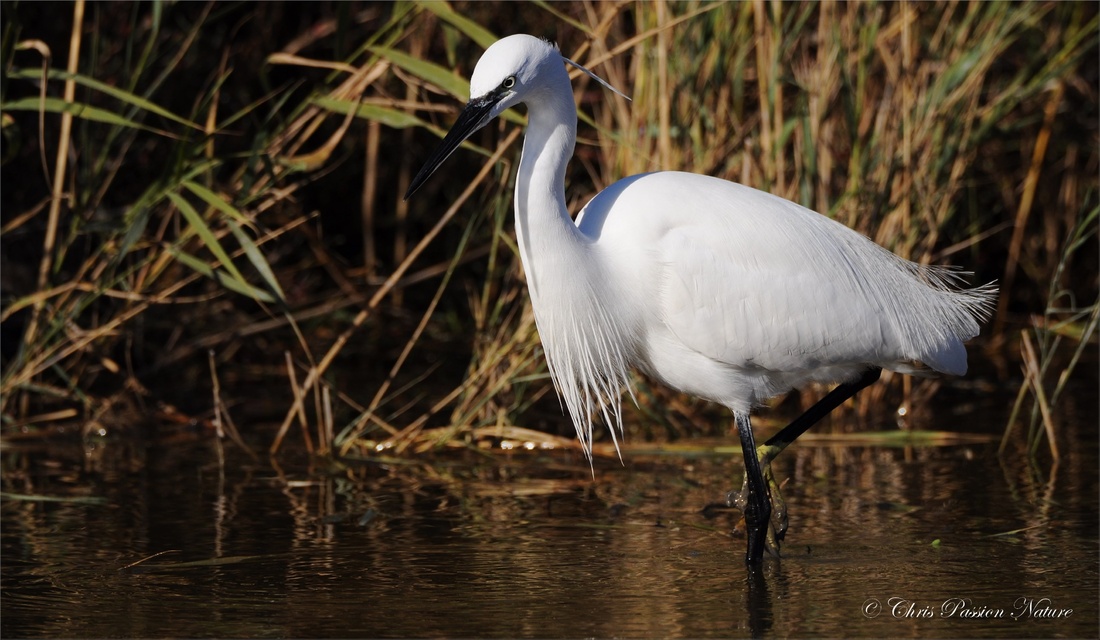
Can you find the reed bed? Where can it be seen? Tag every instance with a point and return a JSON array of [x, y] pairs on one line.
[[202, 221]]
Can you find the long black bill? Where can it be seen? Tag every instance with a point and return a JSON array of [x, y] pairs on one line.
[[474, 116]]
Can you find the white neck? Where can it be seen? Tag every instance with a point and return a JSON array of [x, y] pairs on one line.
[[587, 351], [541, 217]]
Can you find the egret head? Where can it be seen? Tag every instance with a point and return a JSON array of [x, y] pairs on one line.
[[508, 71], [512, 70]]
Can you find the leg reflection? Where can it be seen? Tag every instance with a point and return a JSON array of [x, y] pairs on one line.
[[758, 601]]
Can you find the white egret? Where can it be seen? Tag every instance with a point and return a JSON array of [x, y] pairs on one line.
[[713, 288]]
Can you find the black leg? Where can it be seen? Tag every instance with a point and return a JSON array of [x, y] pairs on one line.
[[834, 399], [759, 481], [757, 502]]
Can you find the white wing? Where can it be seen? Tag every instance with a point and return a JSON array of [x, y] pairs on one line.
[[757, 282]]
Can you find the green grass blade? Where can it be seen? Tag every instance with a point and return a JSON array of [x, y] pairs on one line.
[[259, 262], [474, 31], [235, 221], [114, 92], [398, 119], [214, 200], [219, 276], [204, 232], [78, 110], [558, 15], [428, 71], [383, 115]]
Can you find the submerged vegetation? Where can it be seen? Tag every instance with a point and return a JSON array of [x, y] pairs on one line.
[[201, 214]]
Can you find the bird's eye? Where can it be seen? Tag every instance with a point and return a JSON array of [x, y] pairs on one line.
[[509, 82]]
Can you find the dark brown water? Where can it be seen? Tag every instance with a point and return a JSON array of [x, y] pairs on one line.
[[530, 545]]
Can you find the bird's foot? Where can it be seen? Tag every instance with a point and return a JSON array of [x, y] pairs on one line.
[[777, 525]]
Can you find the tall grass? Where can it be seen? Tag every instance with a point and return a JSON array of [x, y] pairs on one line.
[[203, 196], [1066, 319]]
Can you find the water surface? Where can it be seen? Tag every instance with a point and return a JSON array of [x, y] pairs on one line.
[[941, 541]]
